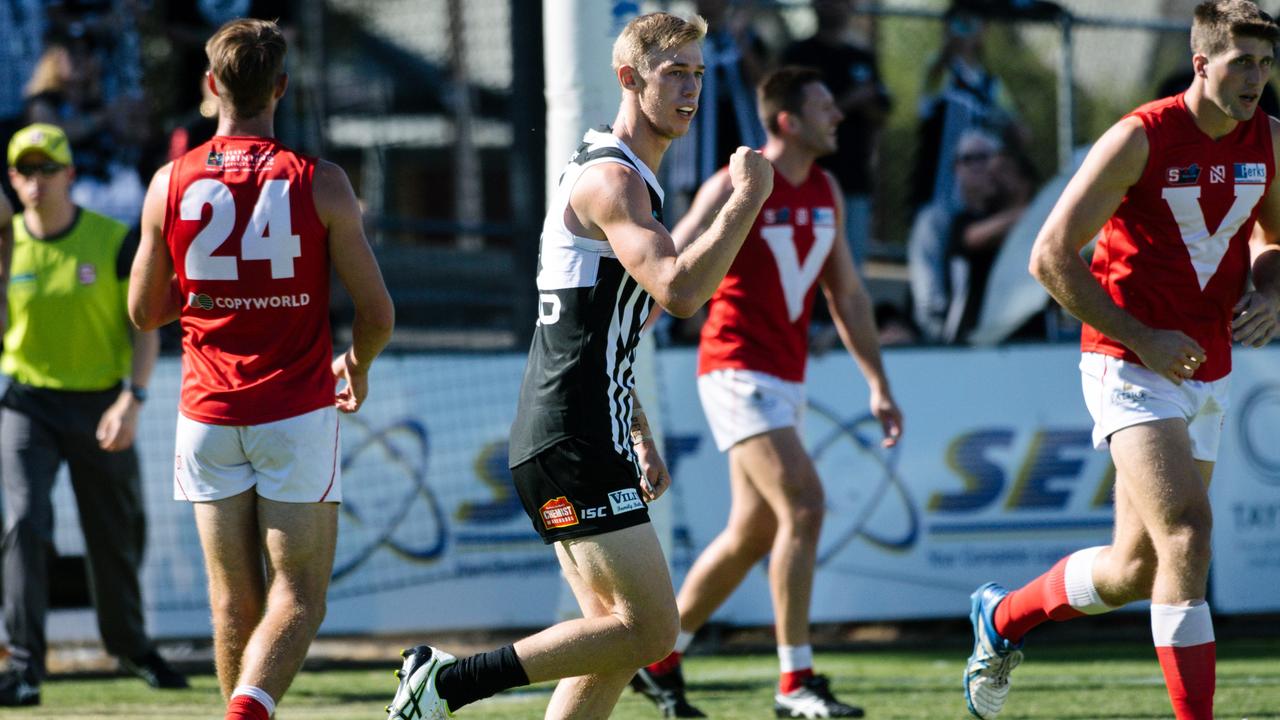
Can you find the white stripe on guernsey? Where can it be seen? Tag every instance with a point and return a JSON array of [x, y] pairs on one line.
[[1078, 578], [795, 657], [258, 694], [616, 364], [1181, 625]]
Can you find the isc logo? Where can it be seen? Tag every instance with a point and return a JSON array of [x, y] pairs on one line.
[[594, 513]]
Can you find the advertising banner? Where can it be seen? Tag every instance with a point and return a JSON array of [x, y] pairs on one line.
[[995, 479]]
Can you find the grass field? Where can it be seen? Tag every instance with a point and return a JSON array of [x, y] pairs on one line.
[[1107, 681]]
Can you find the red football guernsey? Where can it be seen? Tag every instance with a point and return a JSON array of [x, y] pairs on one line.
[[759, 316], [252, 259], [1176, 253]]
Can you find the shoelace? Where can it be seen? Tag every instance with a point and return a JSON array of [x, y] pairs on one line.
[[1003, 666]]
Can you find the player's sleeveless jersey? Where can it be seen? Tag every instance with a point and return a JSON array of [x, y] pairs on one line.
[[1175, 253], [252, 259], [590, 314], [759, 316]]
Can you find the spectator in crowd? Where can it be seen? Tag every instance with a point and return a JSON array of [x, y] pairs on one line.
[[22, 24], [79, 379], [735, 59], [951, 250], [960, 93], [66, 90], [851, 74]]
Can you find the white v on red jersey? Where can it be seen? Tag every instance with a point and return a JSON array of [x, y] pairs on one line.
[[759, 316], [1176, 252], [252, 259]]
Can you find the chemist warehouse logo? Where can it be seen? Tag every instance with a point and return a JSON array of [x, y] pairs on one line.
[[205, 302]]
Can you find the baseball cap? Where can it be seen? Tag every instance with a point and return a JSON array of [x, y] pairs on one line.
[[48, 139]]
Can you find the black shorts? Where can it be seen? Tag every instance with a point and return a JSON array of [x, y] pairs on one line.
[[577, 488]]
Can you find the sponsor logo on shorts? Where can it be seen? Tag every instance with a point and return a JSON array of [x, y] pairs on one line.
[[558, 513], [625, 501], [595, 513], [1130, 393]]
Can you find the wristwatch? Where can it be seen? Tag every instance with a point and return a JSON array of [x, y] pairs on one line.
[[138, 392]]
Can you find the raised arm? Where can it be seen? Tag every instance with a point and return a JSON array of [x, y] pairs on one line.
[[611, 202], [855, 322], [1115, 164], [1258, 312], [154, 299], [357, 269]]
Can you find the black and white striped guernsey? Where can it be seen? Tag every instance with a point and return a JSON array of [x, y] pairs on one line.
[[590, 314]]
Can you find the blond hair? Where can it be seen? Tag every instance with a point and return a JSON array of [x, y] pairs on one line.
[[647, 35], [1218, 21], [51, 71], [246, 57]]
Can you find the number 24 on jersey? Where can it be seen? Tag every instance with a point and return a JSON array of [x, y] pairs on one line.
[[269, 235]]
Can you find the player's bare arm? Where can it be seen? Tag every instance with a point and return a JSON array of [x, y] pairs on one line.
[[850, 306], [1115, 163], [1258, 312], [706, 205], [612, 202], [6, 257], [357, 269], [153, 296], [654, 478]]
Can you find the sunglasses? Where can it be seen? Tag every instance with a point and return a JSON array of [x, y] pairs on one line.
[[46, 169]]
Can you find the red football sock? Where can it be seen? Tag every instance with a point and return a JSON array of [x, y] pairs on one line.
[[666, 664], [1184, 640], [243, 707], [1040, 600], [1190, 675], [793, 680]]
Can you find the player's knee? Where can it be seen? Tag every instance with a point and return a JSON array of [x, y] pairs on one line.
[[1188, 539], [806, 513], [657, 636]]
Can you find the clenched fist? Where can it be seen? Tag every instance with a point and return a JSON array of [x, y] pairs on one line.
[[750, 172]]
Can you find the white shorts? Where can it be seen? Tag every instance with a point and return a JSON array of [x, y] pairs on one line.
[[1123, 394], [744, 403], [290, 460]]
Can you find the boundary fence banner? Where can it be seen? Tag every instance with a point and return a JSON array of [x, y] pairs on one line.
[[995, 479]]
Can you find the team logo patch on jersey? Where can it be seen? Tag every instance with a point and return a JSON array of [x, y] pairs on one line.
[[1252, 173], [558, 513], [625, 501], [87, 273], [1183, 175], [214, 160], [824, 216], [770, 217], [202, 301]]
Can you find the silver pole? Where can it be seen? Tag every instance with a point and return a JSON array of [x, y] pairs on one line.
[[1066, 95]]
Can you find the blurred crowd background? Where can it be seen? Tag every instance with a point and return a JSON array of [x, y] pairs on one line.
[[958, 115]]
